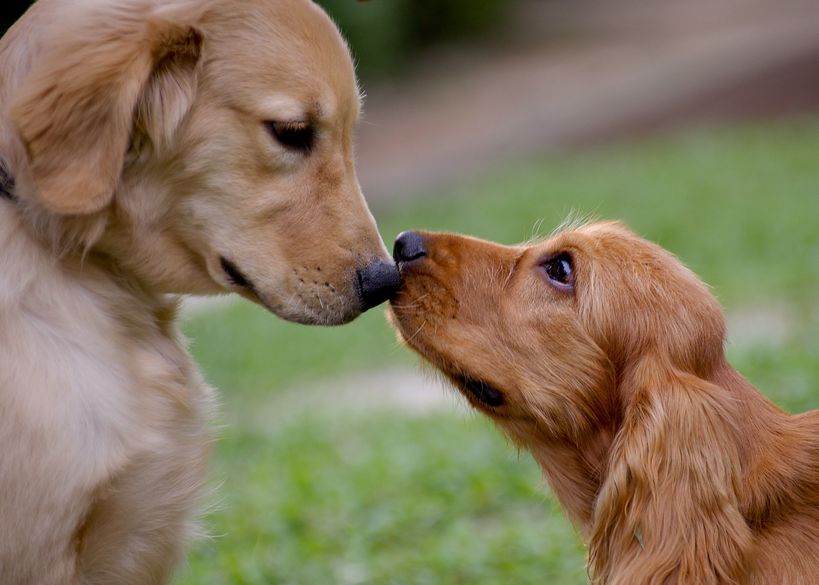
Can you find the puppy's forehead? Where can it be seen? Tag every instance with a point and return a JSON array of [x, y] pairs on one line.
[[270, 51], [601, 239], [563, 241]]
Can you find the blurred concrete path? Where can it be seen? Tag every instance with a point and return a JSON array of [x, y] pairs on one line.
[[570, 73], [414, 391]]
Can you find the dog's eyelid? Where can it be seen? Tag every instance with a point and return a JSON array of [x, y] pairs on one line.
[[295, 124], [298, 135], [556, 253], [298, 124]]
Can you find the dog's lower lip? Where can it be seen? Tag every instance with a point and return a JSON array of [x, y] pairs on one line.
[[483, 392]]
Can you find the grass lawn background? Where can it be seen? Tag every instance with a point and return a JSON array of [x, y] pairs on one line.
[[326, 495]]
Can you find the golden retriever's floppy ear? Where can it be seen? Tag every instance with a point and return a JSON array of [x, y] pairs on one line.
[[76, 110], [170, 90], [668, 510]]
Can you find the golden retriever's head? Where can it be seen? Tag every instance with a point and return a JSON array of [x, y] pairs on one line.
[[539, 336], [209, 142]]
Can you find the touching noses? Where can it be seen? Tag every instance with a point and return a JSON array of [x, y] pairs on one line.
[[380, 280]]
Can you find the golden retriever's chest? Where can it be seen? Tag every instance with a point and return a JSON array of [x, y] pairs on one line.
[[103, 422]]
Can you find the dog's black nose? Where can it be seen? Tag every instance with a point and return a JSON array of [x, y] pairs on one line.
[[409, 246], [377, 282]]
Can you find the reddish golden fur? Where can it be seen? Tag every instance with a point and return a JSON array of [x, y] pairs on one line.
[[674, 468]]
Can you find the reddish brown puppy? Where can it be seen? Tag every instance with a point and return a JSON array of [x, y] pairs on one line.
[[603, 355]]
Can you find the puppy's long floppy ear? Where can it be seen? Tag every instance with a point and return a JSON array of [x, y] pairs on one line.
[[668, 510], [76, 111]]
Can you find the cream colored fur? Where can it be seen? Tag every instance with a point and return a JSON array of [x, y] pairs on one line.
[[135, 130]]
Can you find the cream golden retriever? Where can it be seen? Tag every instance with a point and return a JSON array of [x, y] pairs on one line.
[[150, 148], [603, 355]]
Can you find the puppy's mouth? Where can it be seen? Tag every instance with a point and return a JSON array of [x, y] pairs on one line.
[[404, 311], [482, 391]]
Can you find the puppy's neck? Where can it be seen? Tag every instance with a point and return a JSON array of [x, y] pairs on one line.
[[575, 473], [779, 453], [778, 459]]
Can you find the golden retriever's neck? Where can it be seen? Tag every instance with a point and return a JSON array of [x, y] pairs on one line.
[[62, 235], [33, 273]]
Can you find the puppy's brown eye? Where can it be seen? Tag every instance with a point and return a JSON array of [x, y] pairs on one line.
[[293, 135], [560, 271]]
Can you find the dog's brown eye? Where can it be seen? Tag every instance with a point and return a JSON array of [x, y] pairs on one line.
[[560, 271], [293, 135]]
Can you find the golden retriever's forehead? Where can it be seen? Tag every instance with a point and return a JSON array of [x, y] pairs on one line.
[[271, 52]]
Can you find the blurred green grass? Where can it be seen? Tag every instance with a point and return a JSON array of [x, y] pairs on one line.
[[327, 499], [324, 495]]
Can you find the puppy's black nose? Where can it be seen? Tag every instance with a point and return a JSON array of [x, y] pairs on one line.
[[409, 246], [377, 282]]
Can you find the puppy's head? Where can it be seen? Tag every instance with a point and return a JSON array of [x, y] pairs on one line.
[[214, 142], [539, 337], [600, 353]]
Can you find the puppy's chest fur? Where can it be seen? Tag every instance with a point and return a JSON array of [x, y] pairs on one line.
[[100, 407]]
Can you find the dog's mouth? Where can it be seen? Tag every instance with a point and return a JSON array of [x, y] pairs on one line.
[[236, 277], [329, 309], [482, 391], [404, 310], [239, 279]]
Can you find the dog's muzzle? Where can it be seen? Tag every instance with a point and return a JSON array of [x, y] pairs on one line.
[[377, 282]]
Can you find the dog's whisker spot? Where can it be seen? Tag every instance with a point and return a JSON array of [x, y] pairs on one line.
[[420, 328]]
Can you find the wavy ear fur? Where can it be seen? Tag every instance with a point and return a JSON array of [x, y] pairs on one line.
[[668, 510], [75, 111]]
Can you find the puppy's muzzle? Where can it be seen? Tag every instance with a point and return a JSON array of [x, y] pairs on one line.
[[377, 282]]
